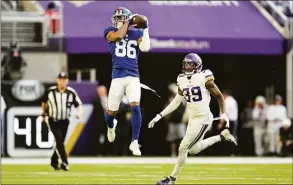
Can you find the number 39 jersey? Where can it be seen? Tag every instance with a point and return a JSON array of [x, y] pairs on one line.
[[195, 92], [125, 52]]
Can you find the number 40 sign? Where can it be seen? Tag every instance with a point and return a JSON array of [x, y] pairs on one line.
[[14, 129]]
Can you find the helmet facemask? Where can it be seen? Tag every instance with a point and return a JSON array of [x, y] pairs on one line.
[[119, 20], [188, 68]]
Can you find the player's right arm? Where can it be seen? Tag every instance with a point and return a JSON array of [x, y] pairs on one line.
[[113, 36], [174, 104]]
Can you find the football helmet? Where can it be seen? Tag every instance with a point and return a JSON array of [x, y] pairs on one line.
[[121, 14], [191, 64]]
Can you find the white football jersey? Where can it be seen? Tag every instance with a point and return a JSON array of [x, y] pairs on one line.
[[195, 92]]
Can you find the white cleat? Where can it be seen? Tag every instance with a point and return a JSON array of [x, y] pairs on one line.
[[111, 132], [228, 136], [134, 147]]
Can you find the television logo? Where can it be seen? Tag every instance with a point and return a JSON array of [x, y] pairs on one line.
[[28, 90]]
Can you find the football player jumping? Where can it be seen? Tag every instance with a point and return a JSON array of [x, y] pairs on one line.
[[125, 43], [195, 85]]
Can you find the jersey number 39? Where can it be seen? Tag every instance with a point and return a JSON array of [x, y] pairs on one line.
[[124, 48], [192, 94]]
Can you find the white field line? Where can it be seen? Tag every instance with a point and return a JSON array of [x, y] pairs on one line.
[[153, 160]]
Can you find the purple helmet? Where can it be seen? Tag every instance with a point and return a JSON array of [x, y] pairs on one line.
[[191, 64]]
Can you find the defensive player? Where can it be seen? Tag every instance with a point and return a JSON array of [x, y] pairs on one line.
[[195, 86], [125, 43]]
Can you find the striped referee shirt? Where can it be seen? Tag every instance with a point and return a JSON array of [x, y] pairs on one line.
[[59, 104]]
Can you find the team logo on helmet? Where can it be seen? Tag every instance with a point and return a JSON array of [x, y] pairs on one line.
[[121, 14], [191, 64]]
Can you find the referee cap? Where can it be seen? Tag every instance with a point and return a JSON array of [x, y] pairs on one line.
[[62, 75]]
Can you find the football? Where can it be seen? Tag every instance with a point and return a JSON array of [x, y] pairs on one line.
[[139, 21]]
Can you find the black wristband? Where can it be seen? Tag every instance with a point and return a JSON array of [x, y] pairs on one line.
[[160, 115], [44, 115]]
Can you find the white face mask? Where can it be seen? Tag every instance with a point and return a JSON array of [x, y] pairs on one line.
[[119, 25]]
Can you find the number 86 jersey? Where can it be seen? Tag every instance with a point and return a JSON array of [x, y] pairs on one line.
[[126, 51], [195, 92]]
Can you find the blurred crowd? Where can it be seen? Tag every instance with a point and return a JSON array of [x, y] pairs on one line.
[[286, 7], [261, 129], [269, 126]]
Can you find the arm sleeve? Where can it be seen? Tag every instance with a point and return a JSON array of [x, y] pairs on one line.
[[106, 31], [208, 75], [145, 43], [77, 102], [173, 105]]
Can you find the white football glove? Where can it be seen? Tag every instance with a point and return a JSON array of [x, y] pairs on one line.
[[225, 117], [156, 119]]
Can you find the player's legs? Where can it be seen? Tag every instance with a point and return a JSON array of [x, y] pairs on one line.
[[133, 93], [194, 132], [193, 143], [116, 93]]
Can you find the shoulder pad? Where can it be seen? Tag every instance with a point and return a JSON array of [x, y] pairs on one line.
[[181, 75], [208, 74]]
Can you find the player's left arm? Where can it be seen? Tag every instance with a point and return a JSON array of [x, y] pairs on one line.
[[215, 91], [174, 104], [78, 105], [144, 41]]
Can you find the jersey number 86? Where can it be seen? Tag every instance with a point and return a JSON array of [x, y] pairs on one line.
[[124, 48]]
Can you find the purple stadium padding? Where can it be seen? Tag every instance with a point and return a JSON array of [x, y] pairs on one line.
[[199, 26]]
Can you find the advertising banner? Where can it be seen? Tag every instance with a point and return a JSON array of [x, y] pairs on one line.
[[232, 27]]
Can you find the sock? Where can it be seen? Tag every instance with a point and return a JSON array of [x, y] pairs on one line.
[[109, 120], [203, 144], [135, 121], [182, 156]]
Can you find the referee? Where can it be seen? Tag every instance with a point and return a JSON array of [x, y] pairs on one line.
[[56, 104]]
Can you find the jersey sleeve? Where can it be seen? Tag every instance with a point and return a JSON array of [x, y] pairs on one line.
[[139, 33], [107, 30], [77, 102], [208, 75]]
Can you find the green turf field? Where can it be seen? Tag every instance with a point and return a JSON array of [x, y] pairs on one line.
[[149, 174]]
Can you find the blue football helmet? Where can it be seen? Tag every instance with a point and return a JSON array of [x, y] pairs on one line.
[[121, 14], [191, 64]]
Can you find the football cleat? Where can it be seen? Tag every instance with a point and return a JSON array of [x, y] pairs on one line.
[[228, 136], [111, 132], [134, 147], [55, 167], [166, 181], [64, 167]]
